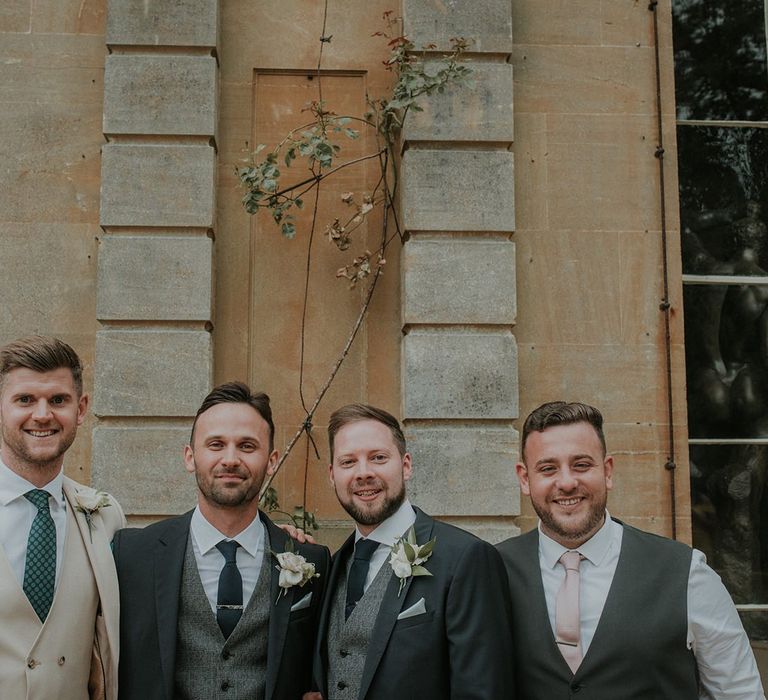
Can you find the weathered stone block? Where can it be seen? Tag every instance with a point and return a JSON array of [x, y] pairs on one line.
[[163, 22], [480, 112], [459, 374], [493, 530], [458, 190], [154, 278], [151, 372], [160, 95], [467, 470], [459, 281], [143, 467], [487, 25], [148, 185]]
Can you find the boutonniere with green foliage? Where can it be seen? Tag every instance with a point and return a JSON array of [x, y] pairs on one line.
[[407, 558], [294, 569], [89, 504]]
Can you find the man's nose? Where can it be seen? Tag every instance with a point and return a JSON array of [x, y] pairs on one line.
[[41, 410], [567, 479]]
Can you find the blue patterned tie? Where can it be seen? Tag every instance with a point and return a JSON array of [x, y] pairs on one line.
[[229, 602], [40, 566]]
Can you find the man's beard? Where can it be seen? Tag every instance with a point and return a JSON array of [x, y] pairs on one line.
[[574, 534], [227, 496], [366, 516]]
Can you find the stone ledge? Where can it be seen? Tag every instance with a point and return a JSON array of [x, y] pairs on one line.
[[163, 22]]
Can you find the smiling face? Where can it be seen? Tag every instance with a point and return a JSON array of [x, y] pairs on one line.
[[39, 416], [368, 472], [230, 457], [567, 475]]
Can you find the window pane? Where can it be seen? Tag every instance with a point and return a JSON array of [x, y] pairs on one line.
[[729, 525], [726, 348], [723, 199], [756, 624], [720, 59]]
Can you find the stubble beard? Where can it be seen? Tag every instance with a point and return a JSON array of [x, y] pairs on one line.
[[26, 460], [228, 497], [368, 516], [577, 532]]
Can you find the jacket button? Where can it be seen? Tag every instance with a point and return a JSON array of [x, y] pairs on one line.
[[341, 685], [61, 661], [31, 663], [575, 687], [225, 655], [344, 653], [225, 685]]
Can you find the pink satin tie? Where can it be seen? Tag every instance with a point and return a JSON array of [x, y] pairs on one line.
[[567, 623]]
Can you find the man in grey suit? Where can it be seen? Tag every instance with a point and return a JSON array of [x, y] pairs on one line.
[[415, 608], [219, 602], [603, 609]]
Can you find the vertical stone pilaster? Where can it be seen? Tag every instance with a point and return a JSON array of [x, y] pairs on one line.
[[460, 390], [155, 266]]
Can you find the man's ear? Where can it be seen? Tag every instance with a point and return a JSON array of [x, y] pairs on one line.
[[82, 408], [189, 459], [608, 466], [407, 467], [522, 475], [274, 458]]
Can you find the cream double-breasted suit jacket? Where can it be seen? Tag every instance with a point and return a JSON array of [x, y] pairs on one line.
[[73, 656]]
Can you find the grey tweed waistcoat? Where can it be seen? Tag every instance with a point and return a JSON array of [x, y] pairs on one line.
[[348, 640], [207, 665]]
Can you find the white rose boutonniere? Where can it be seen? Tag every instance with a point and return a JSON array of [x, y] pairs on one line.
[[407, 558], [294, 570], [89, 504]]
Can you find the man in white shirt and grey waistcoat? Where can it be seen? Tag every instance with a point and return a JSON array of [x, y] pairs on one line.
[[219, 602], [415, 608], [603, 609]]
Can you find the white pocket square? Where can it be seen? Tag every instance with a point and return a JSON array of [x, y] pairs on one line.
[[303, 603], [418, 608]]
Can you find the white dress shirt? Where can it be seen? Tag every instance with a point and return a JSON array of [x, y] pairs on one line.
[[210, 561], [386, 534], [727, 669], [17, 514]]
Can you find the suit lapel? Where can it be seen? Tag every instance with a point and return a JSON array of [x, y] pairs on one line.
[[168, 554], [280, 603], [391, 605], [335, 578], [97, 548]]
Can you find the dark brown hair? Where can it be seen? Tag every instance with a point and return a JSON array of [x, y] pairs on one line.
[[238, 392], [354, 412], [555, 413], [41, 354]]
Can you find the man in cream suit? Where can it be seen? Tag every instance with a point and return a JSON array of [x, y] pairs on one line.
[[58, 588], [433, 626]]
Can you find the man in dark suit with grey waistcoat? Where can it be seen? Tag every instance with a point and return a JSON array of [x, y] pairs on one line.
[[219, 602], [415, 608]]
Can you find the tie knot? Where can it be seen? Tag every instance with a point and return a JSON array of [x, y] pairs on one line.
[[571, 561], [229, 549], [38, 498], [364, 549]]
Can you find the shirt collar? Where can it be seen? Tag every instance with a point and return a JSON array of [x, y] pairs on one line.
[[595, 549], [207, 536], [13, 486], [394, 527]]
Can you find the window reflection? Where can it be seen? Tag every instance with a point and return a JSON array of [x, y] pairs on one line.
[[723, 199], [720, 59], [728, 498]]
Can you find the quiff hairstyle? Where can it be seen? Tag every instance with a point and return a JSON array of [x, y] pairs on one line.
[[238, 392], [555, 413], [355, 412], [41, 354]]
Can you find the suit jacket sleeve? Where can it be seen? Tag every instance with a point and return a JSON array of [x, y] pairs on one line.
[[478, 615]]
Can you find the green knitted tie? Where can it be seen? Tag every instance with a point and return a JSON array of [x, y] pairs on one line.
[[40, 567]]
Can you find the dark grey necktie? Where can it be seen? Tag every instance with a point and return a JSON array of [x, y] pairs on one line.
[[229, 602], [40, 564], [358, 572]]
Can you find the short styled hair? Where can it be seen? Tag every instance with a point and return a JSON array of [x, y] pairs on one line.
[[238, 392], [41, 354], [555, 413], [355, 412]]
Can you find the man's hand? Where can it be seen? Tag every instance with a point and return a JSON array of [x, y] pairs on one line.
[[314, 695], [301, 537]]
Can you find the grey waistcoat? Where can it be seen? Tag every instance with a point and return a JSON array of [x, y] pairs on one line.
[[639, 649], [207, 666], [348, 640]]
